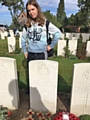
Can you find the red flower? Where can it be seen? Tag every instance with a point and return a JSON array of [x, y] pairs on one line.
[[40, 114], [30, 118], [9, 113], [30, 112], [48, 115]]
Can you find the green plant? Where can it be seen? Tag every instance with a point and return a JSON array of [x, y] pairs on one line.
[[71, 56], [67, 52], [80, 38], [3, 113], [84, 117], [81, 50], [17, 49]]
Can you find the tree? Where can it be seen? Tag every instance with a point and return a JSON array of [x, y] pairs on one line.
[[15, 7], [72, 19], [84, 6], [65, 21], [51, 18], [79, 19], [61, 15]]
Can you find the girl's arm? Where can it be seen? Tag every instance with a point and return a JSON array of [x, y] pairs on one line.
[[56, 34]]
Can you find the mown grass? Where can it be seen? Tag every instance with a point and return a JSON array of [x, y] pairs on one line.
[[65, 68]]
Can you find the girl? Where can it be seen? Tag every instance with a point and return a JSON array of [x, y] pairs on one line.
[[35, 34]]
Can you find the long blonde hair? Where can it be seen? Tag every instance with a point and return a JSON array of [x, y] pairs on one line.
[[40, 18]]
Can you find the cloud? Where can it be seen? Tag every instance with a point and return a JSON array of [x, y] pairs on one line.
[[49, 3], [3, 9], [5, 17], [70, 7], [44, 3]]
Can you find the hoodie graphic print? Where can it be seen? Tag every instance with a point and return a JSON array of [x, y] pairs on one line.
[[37, 38], [34, 34]]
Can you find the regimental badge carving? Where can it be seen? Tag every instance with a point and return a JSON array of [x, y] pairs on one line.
[[43, 69], [86, 75]]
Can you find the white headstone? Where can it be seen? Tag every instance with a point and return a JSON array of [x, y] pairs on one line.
[[5, 33], [2, 36], [20, 39], [43, 85], [80, 98], [60, 48], [74, 34], [78, 35], [72, 46], [88, 49], [62, 36], [69, 36], [11, 33], [9, 93], [11, 44], [85, 37], [74, 38]]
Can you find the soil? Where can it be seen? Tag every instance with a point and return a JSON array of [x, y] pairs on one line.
[[63, 104]]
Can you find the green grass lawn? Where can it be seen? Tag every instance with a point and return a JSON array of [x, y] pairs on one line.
[[65, 68]]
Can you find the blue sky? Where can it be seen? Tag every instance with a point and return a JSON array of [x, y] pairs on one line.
[[70, 8]]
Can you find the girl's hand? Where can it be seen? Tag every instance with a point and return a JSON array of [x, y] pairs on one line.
[[26, 55], [48, 48]]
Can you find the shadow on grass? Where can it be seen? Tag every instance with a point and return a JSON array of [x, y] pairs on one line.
[[64, 94], [22, 84], [62, 85]]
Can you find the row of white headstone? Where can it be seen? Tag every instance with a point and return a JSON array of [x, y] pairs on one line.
[[43, 82], [61, 43], [71, 36], [11, 40], [72, 46]]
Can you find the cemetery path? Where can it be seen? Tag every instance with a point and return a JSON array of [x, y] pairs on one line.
[[63, 104]]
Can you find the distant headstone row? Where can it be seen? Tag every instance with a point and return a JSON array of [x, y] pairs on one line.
[[11, 40], [73, 41], [72, 46]]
